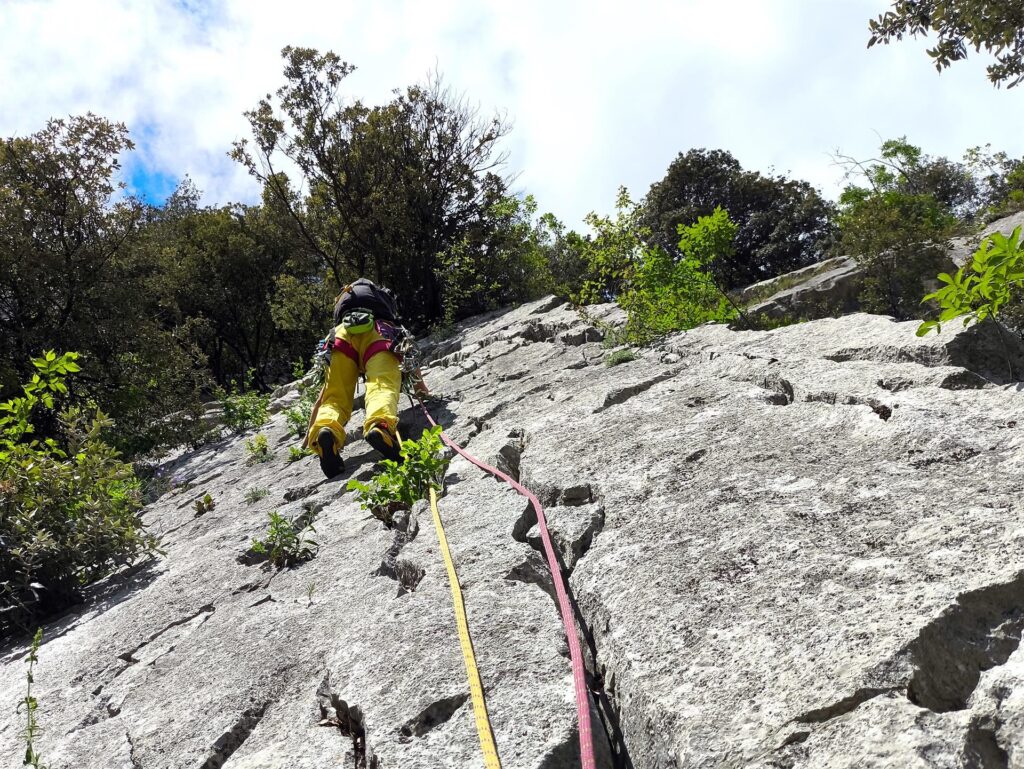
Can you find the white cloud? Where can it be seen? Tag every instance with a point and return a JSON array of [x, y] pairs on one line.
[[600, 93]]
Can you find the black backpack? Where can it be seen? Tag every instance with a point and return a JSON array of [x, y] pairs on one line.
[[366, 295]]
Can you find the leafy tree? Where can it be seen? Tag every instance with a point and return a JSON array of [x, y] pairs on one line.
[[610, 254], [903, 167], [667, 294], [501, 260], [995, 25], [896, 226], [999, 179], [386, 189], [564, 253], [783, 224], [70, 276], [59, 234], [222, 270]]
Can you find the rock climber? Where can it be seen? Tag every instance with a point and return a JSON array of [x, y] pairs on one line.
[[366, 340]]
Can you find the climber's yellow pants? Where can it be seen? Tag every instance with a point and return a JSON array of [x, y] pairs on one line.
[[353, 353]]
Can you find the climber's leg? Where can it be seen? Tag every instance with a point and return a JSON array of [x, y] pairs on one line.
[[383, 386], [336, 406]]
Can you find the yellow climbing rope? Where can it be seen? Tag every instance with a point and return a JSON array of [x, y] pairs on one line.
[[476, 690]]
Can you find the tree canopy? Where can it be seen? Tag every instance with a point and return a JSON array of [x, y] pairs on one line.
[[783, 224], [995, 25], [382, 192]]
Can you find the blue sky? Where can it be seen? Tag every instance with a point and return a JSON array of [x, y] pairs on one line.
[[600, 94]]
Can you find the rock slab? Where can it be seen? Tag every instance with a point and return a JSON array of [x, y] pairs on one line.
[[795, 548]]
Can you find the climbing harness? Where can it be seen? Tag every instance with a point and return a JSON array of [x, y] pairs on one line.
[[575, 652], [476, 690]]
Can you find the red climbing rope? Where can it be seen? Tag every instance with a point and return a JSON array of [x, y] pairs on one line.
[[575, 652]]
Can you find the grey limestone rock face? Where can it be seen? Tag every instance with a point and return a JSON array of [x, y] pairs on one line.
[[795, 548], [826, 288], [830, 287]]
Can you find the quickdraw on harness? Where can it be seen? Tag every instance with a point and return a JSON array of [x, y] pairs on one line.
[[587, 760]]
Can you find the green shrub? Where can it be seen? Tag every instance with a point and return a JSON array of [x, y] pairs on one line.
[[258, 450], [243, 410], [620, 356], [607, 257], [297, 416], [255, 494], [295, 454], [286, 543], [992, 280], [68, 509], [666, 294], [205, 505], [398, 486]]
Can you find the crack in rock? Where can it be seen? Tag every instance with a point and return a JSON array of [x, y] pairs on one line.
[[979, 632], [842, 707], [573, 528], [101, 711], [296, 493], [526, 521], [622, 394], [408, 574], [347, 719], [233, 738], [564, 755], [129, 656], [781, 389], [533, 570], [981, 748], [136, 764], [538, 331], [431, 717], [573, 496], [883, 411], [961, 454], [510, 455]]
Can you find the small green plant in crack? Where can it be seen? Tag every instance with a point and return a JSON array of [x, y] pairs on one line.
[[295, 454], [255, 494], [205, 505], [297, 416], [243, 407], [258, 450], [310, 589], [398, 486], [620, 356], [32, 730], [286, 542]]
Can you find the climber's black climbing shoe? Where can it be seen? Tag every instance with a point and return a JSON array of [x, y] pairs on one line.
[[386, 442], [331, 462]]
